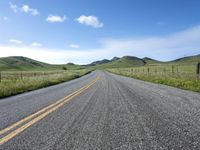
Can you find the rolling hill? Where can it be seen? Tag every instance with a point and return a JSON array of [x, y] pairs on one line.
[[189, 60], [131, 61], [151, 61], [126, 61], [104, 61], [19, 63]]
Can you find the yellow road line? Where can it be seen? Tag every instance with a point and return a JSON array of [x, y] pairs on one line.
[[39, 117], [39, 112]]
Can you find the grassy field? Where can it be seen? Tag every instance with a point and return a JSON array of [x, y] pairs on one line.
[[13, 83], [21, 74], [178, 75]]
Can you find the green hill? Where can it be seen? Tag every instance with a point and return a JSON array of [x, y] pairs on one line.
[[187, 60], [18, 63], [100, 62], [151, 61], [131, 61], [126, 61]]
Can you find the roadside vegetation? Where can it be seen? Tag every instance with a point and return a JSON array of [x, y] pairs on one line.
[[12, 83], [20, 74], [182, 76]]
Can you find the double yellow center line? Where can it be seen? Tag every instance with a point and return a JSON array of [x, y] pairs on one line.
[[23, 124]]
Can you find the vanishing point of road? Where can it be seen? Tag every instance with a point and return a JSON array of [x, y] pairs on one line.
[[101, 111]]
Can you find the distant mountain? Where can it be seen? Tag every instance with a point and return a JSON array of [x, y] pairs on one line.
[[104, 61], [151, 61], [126, 61], [131, 61], [100, 62], [115, 58], [19, 63]]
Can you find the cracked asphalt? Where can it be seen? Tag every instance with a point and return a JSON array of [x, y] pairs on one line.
[[116, 112]]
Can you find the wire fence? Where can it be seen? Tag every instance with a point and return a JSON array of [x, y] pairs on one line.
[[185, 71], [5, 76]]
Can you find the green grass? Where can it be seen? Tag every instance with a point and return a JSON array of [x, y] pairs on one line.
[[180, 76], [12, 82], [25, 74]]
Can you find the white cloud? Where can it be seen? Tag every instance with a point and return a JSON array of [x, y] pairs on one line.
[[55, 18], [74, 46], [13, 7], [167, 47], [90, 21], [5, 18], [55, 56], [14, 41], [36, 44], [159, 23], [27, 9]]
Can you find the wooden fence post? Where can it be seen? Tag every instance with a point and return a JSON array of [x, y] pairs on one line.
[[172, 69], [177, 69], [21, 76], [164, 70], [0, 77], [198, 69]]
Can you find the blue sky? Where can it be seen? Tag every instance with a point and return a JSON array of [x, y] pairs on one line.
[[61, 31]]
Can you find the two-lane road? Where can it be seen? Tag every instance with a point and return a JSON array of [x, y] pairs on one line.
[[101, 111]]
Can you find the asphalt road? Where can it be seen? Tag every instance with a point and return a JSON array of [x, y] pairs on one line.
[[113, 112]]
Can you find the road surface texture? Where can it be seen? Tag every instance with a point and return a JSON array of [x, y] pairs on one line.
[[115, 112]]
